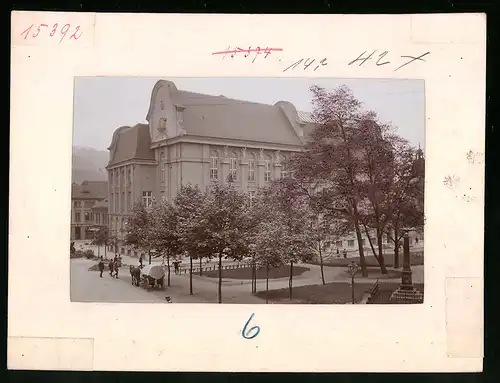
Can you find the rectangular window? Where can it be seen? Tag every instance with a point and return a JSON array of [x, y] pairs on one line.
[[214, 168], [267, 171], [338, 244], [147, 198], [98, 218], [350, 243], [87, 217], [77, 217], [251, 170], [116, 202], [76, 204], [284, 171], [363, 242], [162, 167]]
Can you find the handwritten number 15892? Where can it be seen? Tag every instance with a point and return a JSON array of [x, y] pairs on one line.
[[34, 30]]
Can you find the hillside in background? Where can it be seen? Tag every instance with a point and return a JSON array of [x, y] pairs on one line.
[[89, 164]]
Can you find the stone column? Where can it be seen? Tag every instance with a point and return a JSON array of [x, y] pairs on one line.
[[244, 170], [224, 166], [261, 167]]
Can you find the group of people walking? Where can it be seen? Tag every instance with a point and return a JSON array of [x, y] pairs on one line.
[[114, 266]]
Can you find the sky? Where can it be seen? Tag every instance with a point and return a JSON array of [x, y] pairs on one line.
[[103, 104]]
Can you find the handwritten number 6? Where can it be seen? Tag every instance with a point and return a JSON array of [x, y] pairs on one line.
[[247, 334]]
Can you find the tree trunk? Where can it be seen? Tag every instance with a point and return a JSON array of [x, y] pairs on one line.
[[105, 251], [201, 271], [321, 264], [168, 270], [380, 258], [254, 277], [149, 257], [396, 248], [220, 278], [98, 251], [190, 275], [267, 283], [290, 281], [362, 261]]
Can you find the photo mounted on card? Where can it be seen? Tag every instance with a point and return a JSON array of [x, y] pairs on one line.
[[290, 190], [248, 190]]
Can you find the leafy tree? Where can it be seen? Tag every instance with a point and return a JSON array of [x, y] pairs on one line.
[[102, 238], [286, 196], [325, 230], [405, 208], [330, 162], [189, 204], [138, 229], [270, 242], [221, 227], [163, 232]]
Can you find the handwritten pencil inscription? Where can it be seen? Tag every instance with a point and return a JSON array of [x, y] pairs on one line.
[[381, 59]]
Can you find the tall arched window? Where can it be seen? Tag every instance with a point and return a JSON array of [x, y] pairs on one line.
[[267, 169], [214, 166], [251, 168], [233, 165]]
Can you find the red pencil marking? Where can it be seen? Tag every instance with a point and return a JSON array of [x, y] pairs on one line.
[[239, 50], [74, 36]]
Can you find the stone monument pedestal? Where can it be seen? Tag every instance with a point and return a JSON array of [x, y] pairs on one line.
[[408, 296]]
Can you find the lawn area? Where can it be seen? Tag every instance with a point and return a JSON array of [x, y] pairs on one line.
[[416, 258], [319, 294], [246, 273], [331, 293]]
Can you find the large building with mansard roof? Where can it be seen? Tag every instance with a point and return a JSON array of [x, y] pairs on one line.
[[199, 139]]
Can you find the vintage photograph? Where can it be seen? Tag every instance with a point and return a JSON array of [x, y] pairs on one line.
[[248, 190]]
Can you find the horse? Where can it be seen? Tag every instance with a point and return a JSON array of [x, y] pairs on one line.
[[135, 272]]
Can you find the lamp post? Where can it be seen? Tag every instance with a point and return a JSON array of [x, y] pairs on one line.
[[352, 269]]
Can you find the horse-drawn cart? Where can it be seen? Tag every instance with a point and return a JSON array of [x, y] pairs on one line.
[[153, 276]]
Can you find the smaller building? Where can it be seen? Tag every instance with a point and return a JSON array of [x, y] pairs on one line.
[[89, 209]]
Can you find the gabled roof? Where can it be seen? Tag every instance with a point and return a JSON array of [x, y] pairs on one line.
[[90, 190], [131, 143], [221, 117], [239, 120]]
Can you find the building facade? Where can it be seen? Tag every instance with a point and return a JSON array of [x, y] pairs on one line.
[[199, 139], [89, 210]]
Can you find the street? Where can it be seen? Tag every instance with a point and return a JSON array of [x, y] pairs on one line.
[[87, 286]]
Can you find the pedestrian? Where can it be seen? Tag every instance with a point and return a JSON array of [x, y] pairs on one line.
[[101, 266], [140, 261], [176, 267], [110, 265], [338, 253], [345, 254], [116, 267]]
